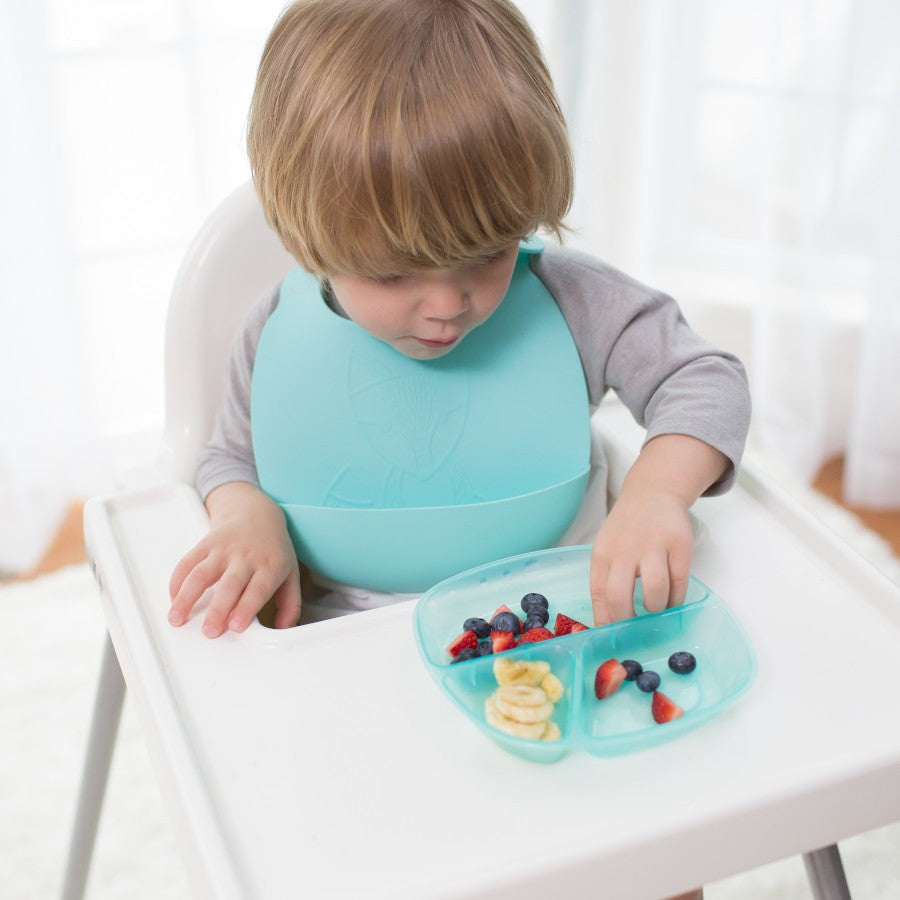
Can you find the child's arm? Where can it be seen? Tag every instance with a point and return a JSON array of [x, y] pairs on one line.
[[648, 530], [247, 557]]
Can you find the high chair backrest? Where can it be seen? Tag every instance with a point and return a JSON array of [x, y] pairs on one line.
[[232, 261]]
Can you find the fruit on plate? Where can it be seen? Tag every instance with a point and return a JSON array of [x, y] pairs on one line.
[[506, 621], [499, 611], [502, 640], [609, 677], [647, 681], [553, 687], [633, 668], [461, 641], [524, 700], [481, 628], [664, 709], [496, 719], [523, 703], [533, 635], [489, 631], [536, 616], [566, 625], [530, 602], [682, 662], [520, 671]]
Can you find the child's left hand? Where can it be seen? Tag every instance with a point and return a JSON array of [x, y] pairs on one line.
[[648, 531]]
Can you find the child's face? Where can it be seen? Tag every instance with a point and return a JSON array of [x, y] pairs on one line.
[[426, 314]]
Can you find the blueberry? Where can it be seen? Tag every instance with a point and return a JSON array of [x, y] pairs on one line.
[[647, 681], [533, 621], [682, 662], [531, 600], [538, 614], [506, 621], [479, 626], [465, 653], [633, 668], [485, 648]]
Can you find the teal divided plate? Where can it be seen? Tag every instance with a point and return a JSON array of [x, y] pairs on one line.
[[622, 723]]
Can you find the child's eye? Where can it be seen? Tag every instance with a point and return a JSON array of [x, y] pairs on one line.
[[387, 279], [496, 257]]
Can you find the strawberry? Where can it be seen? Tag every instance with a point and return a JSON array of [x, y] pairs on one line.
[[565, 625], [533, 635], [466, 639], [502, 640], [664, 709], [608, 678]]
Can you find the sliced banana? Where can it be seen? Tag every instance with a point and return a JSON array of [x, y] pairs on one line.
[[552, 687], [551, 732], [496, 719], [519, 671], [523, 703]]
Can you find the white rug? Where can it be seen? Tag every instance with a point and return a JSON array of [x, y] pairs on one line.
[[50, 647]]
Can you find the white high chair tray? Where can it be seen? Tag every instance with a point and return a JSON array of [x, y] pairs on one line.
[[323, 761]]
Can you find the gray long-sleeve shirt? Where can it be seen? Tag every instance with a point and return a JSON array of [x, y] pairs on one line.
[[631, 339]]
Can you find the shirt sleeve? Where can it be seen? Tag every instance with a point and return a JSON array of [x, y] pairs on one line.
[[229, 454], [634, 340]]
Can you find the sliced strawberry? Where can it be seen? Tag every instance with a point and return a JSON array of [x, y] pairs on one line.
[[533, 635], [466, 639], [608, 678], [565, 625], [665, 709], [502, 640]]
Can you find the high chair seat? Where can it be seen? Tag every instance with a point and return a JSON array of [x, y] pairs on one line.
[[322, 760]]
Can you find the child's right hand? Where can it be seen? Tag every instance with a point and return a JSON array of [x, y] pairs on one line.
[[247, 557]]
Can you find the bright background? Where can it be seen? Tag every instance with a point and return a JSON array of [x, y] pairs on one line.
[[740, 157]]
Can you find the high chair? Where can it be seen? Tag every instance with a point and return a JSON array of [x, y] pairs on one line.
[[787, 770], [233, 259]]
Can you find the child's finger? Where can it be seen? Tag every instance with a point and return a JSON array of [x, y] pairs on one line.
[[185, 565], [288, 601], [655, 582], [679, 574], [256, 593], [620, 591], [203, 576], [228, 592], [598, 578]]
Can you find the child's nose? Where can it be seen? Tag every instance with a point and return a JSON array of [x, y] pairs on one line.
[[445, 303]]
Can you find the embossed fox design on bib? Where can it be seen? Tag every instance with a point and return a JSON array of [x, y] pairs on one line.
[[395, 473]]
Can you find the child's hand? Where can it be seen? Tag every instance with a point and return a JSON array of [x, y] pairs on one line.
[[648, 530], [247, 557], [647, 533]]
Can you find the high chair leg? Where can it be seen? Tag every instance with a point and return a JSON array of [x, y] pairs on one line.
[[826, 874], [95, 773]]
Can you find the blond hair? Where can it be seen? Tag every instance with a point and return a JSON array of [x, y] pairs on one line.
[[387, 136]]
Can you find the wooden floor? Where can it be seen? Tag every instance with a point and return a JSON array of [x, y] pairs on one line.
[[67, 546], [829, 482]]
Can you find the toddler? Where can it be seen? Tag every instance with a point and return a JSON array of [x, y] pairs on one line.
[[406, 152]]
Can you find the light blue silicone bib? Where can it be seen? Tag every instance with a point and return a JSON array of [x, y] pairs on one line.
[[396, 473]]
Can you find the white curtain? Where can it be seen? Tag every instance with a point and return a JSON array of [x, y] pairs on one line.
[[744, 157], [123, 125]]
